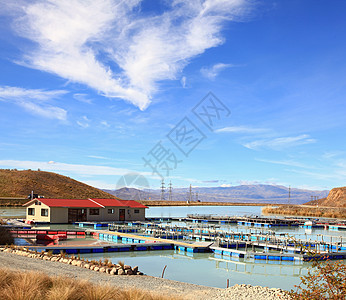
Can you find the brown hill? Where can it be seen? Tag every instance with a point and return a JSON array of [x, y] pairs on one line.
[[19, 184], [335, 198]]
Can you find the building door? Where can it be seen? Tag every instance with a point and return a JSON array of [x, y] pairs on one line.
[[121, 214], [77, 215]]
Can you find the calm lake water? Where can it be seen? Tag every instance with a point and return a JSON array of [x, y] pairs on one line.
[[206, 268], [168, 211]]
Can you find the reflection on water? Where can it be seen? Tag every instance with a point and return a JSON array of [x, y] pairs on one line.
[[206, 268]]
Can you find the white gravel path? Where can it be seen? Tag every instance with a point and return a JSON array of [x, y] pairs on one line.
[[147, 283]]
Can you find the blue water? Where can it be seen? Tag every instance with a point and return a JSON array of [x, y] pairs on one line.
[[183, 211], [207, 268]]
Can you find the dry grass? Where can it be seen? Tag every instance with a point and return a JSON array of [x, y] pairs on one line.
[[308, 211], [16, 185], [34, 286]]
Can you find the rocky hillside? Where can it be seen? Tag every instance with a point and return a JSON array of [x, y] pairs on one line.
[[19, 184], [335, 198]]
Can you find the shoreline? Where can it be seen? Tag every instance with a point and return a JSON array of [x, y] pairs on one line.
[[146, 283], [153, 203]]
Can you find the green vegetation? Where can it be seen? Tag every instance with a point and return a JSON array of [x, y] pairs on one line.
[[35, 286], [18, 185], [308, 211]]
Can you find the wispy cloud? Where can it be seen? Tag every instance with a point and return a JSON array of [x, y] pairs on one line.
[[105, 124], [285, 163], [183, 81], [84, 122], [35, 101], [82, 98], [114, 48], [98, 157], [241, 129], [63, 167], [281, 142], [213, 71]]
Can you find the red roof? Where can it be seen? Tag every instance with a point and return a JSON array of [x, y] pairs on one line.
[[87, 203], [133, 204], [118, 202]]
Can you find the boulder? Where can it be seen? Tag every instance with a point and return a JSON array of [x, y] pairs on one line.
[[79, 263], [87, 266], [102, 270], [127, 267], [121, 272], [128, 272], [114, 271], [96, 269], [135, 269]]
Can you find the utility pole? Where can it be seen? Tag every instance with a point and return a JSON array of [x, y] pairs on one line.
[[162, 190], [289, 195], [196, 196], [170, 191]]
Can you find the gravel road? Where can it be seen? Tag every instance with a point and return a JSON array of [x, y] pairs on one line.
[[147, 283]]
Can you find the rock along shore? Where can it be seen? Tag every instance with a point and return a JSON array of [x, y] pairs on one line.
[[16, 259]]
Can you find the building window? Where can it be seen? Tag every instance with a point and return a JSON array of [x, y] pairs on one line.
[[111, 211], [31, 211], [94, 212], [44, 212], [37, 203], [136, 211]]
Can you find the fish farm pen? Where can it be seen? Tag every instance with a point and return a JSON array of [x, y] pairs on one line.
[[200, 233]]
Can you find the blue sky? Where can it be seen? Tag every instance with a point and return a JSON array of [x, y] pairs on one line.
[[93, 89]]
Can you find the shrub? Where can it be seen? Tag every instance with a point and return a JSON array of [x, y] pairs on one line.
[[325, 280], [5, 236]]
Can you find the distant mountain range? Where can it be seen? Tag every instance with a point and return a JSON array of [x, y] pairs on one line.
[[259, 193]]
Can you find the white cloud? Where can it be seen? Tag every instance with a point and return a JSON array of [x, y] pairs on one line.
[[226, 185], [214, 71], [84, 170], [35, 101], [183, 82], [82, 98], [114, 48], [280, 143], [286, 163], [83, 122], [241, 129], [98, 157], [105, 124]]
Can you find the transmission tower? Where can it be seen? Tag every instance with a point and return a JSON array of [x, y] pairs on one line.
[[190, 195], [170, 191], [162, 190]]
